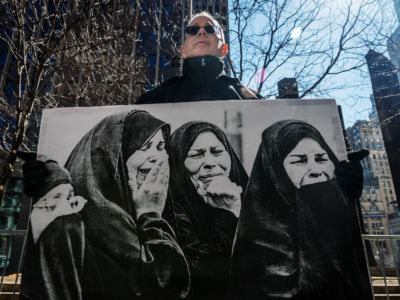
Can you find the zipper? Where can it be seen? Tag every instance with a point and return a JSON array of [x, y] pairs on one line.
[[203, 64]]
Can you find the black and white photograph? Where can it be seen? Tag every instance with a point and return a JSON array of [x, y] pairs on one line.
[[234, 200]]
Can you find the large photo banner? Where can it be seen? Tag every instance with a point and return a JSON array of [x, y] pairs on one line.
[[200, 200]]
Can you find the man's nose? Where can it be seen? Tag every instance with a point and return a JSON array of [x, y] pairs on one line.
[[202, 31]]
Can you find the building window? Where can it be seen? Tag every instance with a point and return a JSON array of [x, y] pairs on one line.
[[142, 36], [373, 146], [373, 156], [378, 140], [153, 36], [366, 140], [166, 9], [163, 61], [152, 60], [379, 146]]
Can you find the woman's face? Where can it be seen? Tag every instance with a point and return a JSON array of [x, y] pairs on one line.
[[207, 158], [143, 159], [308, 163]]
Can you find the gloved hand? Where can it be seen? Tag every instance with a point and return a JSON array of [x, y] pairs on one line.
[[42, 176], [349, 174]]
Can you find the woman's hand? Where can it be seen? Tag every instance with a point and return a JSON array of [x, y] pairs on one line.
[[151, 195], [220, 192]]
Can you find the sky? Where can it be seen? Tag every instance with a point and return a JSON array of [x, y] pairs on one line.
[[355, 98]]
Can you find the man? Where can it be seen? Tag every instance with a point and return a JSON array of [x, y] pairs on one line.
[[203, 80], [203, 76]]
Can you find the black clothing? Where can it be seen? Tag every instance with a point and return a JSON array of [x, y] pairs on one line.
[[42, 176], [296, 243], [202, 80], [105, 251], [205, 233], [350, 178]]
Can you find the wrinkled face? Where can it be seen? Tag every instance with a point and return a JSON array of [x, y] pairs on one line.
[[143, 159], [207, 158], [308, 163], [203, 43]]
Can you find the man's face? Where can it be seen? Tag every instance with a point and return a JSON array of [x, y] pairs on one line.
[[203, 43]]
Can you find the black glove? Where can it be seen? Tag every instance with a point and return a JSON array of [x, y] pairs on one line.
[[40, 177], [349, 174]]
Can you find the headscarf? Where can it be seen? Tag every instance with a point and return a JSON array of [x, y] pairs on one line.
[[278, 141], [281, 243], [182, 192], [97, 164]]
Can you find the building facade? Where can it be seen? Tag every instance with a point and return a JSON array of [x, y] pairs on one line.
[[378, 199], [386, 94]]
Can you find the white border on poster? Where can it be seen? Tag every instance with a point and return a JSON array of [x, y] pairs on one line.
[[62, 128]]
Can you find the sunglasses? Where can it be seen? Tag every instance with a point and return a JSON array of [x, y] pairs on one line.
[[210, 29]]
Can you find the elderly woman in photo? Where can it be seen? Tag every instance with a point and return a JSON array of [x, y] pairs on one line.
[[207, 180], [109, 242], [298, 234]]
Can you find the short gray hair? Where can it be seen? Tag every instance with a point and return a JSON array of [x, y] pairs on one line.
[[209, 16]]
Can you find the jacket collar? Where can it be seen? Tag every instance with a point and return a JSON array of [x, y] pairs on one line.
[[196, 68]]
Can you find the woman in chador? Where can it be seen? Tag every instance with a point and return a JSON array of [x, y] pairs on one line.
[[298, 235], [97, 232], [207, 181]]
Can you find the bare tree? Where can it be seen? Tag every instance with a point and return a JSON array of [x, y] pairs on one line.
[[62, 53], [311, 40], [103, 67]]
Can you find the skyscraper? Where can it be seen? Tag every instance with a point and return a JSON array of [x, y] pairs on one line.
[[378, 199], [386, 93]]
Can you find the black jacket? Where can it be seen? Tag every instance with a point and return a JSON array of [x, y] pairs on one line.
[[202, 80]]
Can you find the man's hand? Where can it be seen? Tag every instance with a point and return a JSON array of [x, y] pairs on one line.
[[221, 193], [151, 195], [349, 174]]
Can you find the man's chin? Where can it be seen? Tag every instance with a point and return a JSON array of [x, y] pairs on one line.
[[202, 52]]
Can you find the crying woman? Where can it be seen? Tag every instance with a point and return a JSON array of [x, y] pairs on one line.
[[298, 235]]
